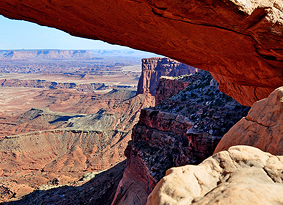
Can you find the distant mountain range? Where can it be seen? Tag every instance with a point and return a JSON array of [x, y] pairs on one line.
[[69, 54]]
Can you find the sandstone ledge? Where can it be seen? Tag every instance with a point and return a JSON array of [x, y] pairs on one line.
[[241, 175]]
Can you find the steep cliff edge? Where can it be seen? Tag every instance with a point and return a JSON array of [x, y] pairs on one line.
[[154, 68], [180, 130], [169, 86], [241, 42]]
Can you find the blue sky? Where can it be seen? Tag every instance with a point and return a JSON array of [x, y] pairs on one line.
[[15, 34]]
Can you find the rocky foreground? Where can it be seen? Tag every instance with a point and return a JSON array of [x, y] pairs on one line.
[[241, 175]]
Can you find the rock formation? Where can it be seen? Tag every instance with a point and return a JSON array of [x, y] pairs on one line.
[[73, 145], [262, 128], [240, 42], [154, 68], [169, 86], [241, 175], [180, 130]]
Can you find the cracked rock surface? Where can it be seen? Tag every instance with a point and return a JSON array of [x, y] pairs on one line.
[[262, 128], [241, 175], [239, 41]]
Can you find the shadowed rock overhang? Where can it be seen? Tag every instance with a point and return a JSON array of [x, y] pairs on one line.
[[238, 41]]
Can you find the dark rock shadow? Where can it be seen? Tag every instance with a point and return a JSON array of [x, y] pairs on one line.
[[99, 190]]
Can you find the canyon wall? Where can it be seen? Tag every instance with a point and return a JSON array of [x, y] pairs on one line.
[[240, 42], [169, 86], [180, 130], [154, 68]]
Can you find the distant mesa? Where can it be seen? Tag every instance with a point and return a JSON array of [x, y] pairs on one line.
[[154, 68]]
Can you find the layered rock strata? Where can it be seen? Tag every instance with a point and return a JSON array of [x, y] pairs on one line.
[[239, 41], [169, 86], [262, 128], [89, 88], [181, 130], [79, 144], [154, 68], [241, 175]]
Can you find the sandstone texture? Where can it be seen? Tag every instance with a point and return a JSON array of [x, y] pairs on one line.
[[154, 68], [169, 86], [180, 130], [240, 42], [262, 128], [241, 175]]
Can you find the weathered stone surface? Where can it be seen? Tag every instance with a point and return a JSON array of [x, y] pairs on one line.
[[241, 41], [154, 68], [167, 87], [241, 175], [173, 134], [262, 128]]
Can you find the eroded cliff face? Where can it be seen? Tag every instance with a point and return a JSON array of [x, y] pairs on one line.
[[180, 130], [68, 146], [154, 68], [240, 42], [169, 86]]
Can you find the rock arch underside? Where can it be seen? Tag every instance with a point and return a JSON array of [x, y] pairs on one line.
[[238, 41]]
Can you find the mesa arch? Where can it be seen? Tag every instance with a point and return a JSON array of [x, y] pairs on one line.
[[238, 41]]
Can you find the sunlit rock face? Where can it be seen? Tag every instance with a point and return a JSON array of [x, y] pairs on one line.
[[240, 42], [241, 175], [154, 68], [183, 129]]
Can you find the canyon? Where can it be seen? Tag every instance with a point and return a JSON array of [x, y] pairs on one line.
[[240, 43], [74, 120], [52, 155]]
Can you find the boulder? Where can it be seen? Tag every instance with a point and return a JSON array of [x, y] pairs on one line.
[[241, 175]]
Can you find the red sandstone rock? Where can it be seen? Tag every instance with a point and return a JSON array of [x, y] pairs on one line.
[[154, 68], [180, 130], [262, 128], [167, 87], [239, 40], [85, 143]]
